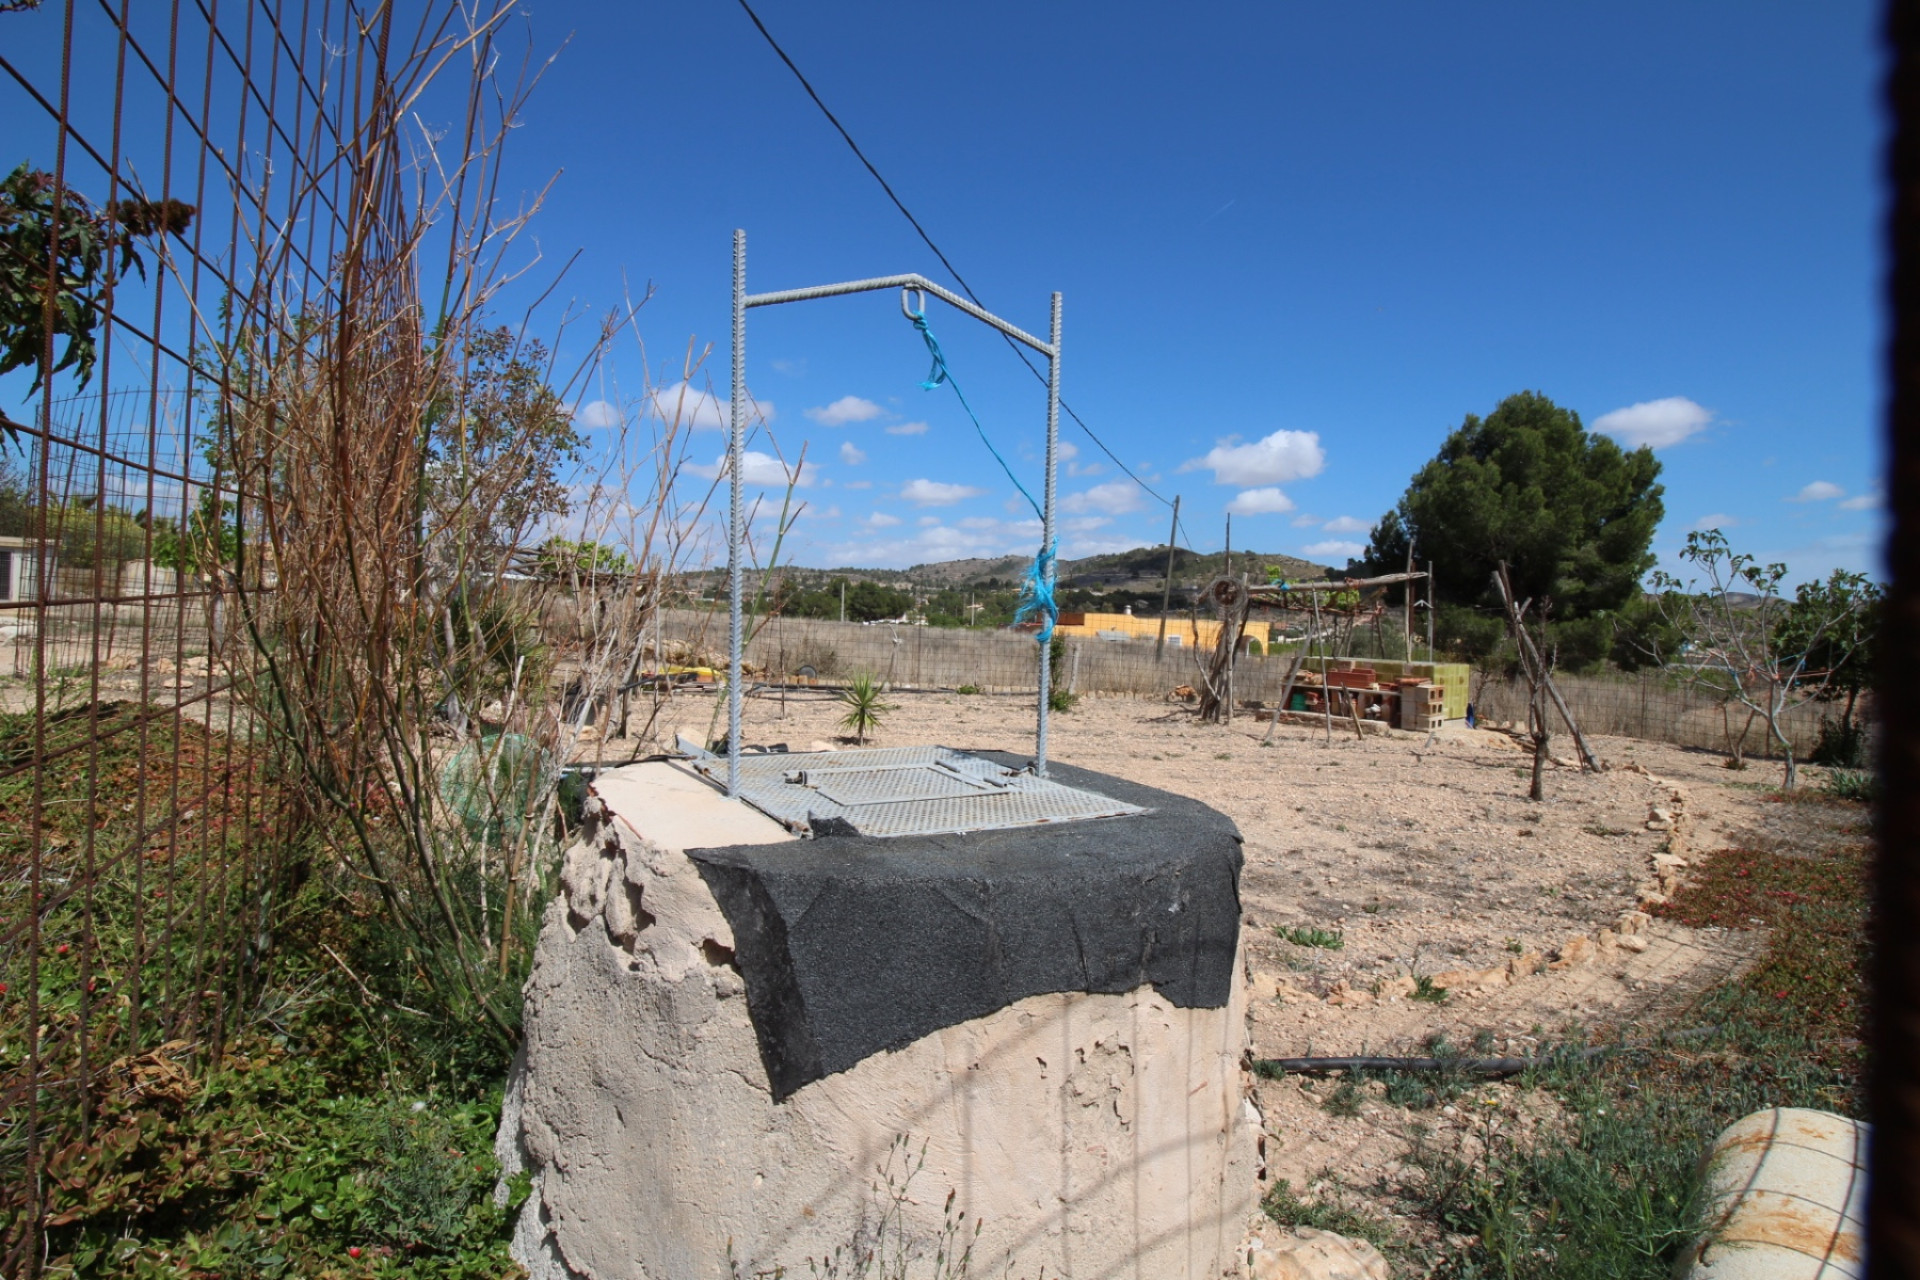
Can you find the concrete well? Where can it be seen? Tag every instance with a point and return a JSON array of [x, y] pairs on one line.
[[747, 1049]]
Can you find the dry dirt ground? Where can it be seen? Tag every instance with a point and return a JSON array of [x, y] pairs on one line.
[[1427, 859]]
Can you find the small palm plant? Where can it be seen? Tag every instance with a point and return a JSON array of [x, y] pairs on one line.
[[861, 698]]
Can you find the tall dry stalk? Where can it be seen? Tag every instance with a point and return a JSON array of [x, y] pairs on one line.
[[410, 546]]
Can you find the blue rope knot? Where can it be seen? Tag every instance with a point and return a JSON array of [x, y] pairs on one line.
[[1036, 593], [939, 373]]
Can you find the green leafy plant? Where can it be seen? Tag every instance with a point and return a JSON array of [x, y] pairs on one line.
[[1309, 936], [55, 250], [968, 689], [1851, 784], [861, 698], [1345, 1099], [1290, 1209], [1424, 989]]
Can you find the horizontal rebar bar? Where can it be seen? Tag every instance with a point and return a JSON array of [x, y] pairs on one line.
[[909, 281]]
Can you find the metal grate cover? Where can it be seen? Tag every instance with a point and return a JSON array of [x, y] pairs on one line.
[[905, 791]]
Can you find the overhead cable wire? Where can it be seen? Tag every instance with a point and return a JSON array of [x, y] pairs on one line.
[[907, 213]]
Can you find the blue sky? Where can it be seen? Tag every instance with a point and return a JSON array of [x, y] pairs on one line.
[[1297, 243], [1355, 222]]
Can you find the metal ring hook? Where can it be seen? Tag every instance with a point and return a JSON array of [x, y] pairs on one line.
[[908, 291]]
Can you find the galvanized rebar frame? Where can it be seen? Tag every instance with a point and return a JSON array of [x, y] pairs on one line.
[[736, 449]]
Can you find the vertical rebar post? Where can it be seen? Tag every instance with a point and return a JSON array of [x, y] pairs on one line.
[[1166, 589], [1046, 533], [736, 514]]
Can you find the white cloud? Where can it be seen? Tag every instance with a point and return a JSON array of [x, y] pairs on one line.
[[1718, 520], [1260, 502], [881, 520], [756, 468], [792, 368], [1305, 521], [1819, 491], [1070, 455], [974, 536], [1863, 502], [907, 429], [1085, 524], [935, 493], [831, 513], [1098, 546], [1346, 524], [700, 409], [1274, 459], [1333, 547], [1116, 497], [844, 410], [1657, 423], [859, 484], [597, 415], [850, 455]]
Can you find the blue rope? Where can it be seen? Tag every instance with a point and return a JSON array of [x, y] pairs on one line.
[[1036, 590], [939, 374], [1036, 594]]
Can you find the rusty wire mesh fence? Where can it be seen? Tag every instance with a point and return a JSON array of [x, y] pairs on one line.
[[178, 174]]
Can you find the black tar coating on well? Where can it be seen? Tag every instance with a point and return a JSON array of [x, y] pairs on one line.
[[852, 945]]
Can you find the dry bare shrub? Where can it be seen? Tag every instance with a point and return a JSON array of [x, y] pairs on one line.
[[443, 587]]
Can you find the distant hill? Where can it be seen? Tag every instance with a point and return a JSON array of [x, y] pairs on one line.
[[1136, 570], [1147, 566]]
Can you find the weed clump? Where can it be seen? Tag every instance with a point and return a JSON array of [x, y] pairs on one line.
[[1308, 936]]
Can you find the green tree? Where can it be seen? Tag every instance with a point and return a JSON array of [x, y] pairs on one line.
[[1833, 625], [207, 541], [498, 443], [1750, 646], [565, 558], [866, 602], [16, 500], [1571, 513]]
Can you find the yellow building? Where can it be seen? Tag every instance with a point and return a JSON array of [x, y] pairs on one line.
[[1202, 633]]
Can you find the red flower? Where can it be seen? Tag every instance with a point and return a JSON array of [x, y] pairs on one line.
[[61, 949], [353, 1251]]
